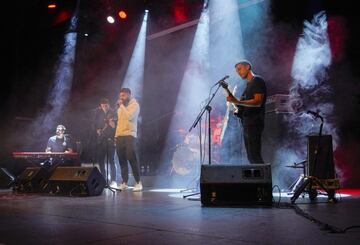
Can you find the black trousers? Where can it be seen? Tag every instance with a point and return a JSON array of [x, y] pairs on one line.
[[105, 158], [126, 149], [252, 141]]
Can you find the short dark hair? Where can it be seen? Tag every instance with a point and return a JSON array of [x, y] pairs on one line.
[[104, 101], [244, 63], [125, 90]]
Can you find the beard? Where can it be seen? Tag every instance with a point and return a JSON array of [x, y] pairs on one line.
[[126, 102]]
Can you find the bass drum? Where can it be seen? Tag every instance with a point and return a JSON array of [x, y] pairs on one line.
[[185, 160]]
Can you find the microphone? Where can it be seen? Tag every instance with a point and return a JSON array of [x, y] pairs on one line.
[[222, 80], [118, 103]]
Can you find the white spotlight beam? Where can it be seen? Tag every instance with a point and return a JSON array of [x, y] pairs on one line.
[[59, 95], [194, 85], [195, 22], [134, 76]]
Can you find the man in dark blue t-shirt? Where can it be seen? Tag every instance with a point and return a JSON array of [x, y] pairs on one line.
[[251, 110], [60, 142]]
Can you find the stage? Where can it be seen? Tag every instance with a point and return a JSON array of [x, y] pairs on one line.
[[163, 216], [97, 83]]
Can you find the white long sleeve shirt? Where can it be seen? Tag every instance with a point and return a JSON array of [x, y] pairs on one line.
[[127, 119]]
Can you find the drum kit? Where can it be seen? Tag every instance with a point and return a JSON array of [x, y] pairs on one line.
[[186, 156]]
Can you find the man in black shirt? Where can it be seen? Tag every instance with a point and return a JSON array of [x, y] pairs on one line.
[[251, 110], [105, 125]]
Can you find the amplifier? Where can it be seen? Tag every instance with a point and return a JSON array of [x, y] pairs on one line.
[[279, 103], [324, 167], [249, 184]]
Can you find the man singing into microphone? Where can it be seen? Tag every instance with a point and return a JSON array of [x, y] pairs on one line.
[[252, 113], [125, 138]]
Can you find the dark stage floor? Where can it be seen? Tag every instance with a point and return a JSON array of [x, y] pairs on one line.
[[164, 217]]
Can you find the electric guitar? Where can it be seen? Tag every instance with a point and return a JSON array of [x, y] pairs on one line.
[[238, 109], [101, 133]]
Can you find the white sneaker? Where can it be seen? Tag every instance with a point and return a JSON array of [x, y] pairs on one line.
[[123, 186], [138, 187], [113, 184]]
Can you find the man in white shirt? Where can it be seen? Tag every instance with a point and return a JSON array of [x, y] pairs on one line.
[[125, 138]]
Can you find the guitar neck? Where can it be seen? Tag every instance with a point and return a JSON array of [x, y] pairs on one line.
[[228, 91]]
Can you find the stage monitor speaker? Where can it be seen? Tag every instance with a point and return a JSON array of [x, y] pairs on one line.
[[324, 166], [6, 178], [77, 181], [236, 185], [32, 180]]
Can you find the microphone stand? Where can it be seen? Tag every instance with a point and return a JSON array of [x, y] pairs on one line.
[[107, 186], [207, 108]]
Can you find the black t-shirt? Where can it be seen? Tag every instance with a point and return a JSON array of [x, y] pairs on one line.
[[102, 123], [254, 115], [56, 144]]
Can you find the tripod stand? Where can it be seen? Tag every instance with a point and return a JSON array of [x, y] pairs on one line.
[[107, 186], [300, 179], [309, 181], [207, 108]]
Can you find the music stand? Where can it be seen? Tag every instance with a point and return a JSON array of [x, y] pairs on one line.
[[207, 108], [309, 181]]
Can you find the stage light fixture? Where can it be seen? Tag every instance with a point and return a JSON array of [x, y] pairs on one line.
[[51, 6], [122, 14], [110, 19]]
